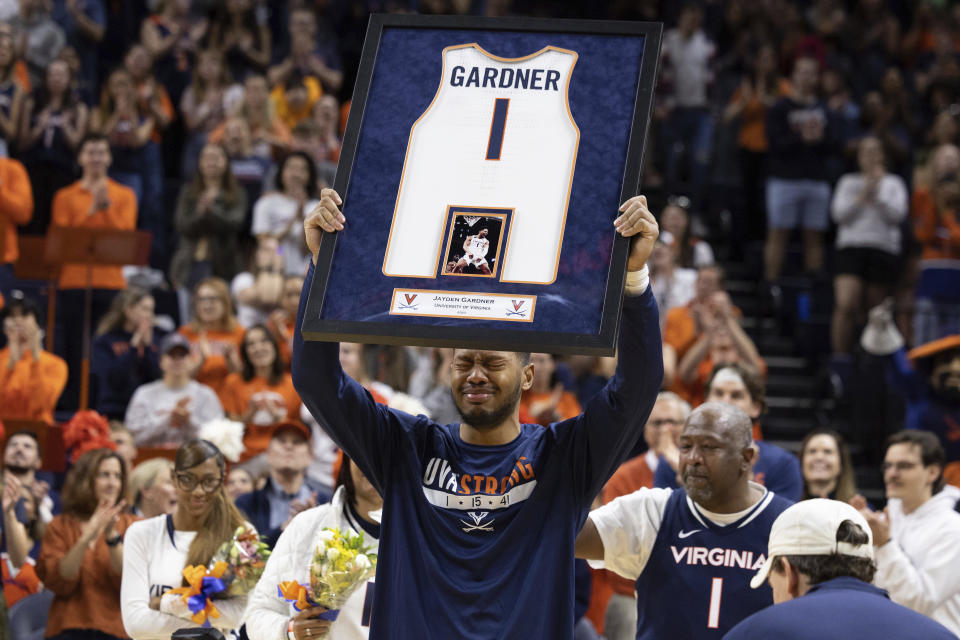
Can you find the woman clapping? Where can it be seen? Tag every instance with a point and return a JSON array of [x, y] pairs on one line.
[[82, 553]]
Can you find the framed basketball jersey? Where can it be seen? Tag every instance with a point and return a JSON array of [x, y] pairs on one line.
[[482, 168], [498, 133]]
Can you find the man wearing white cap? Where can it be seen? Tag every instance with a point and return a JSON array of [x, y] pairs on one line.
[[820, 564]]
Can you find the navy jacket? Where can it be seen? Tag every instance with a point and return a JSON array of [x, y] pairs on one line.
[[119, 370], [839, 609], [256, 506]]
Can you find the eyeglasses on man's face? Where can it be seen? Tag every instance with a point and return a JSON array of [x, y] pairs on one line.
[[665, 422], [899, 466]]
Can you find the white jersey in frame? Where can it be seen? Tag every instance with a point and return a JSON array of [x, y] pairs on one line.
[[499, 134]]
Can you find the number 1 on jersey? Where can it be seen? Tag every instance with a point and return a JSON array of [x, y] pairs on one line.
[[713, 614], [497, 125]]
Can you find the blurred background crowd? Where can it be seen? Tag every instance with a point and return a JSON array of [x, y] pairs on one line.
[[802, 161]]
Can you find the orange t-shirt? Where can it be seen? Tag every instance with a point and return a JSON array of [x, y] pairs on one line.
[[938, 232], [288, 116], [235, 398], [24, 584], [31, 389], [92, 600], [214, 369], [277, 130], [681, 329], [568, 407], [753, 128], [71, 207], [22, 75], [630, 476], [16, 206]]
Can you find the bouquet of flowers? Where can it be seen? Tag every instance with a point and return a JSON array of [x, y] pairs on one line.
[[244, 557], [340, 564]]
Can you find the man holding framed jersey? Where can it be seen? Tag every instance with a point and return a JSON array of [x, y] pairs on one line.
[[479, 518], [693, 550]]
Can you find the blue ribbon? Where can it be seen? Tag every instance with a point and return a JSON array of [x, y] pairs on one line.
[[330, 615], [208, 588]]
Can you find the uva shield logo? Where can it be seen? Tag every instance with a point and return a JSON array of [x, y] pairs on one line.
[[478, 523], [517, 306], [410, 298]]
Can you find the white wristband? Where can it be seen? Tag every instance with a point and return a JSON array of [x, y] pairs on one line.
[[637, 281]]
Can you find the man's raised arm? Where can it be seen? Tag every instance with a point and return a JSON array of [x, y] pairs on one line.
[[346, 411], [613, 420]]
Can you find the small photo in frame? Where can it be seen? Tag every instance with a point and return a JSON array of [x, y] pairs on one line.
[[474, 246]]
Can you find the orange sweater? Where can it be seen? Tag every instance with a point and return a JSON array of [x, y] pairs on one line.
[[31, 389], [92, 600], [681, 329], [16, 206], [235, 398], [215, 369], [632, 475], [71, 207], [25, 583], [937, 231]]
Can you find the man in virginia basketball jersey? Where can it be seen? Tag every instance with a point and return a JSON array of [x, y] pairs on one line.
[[693, 550], [480, 517], [476, 251]]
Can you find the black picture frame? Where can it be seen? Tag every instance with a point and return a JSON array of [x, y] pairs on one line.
[[502, 335]]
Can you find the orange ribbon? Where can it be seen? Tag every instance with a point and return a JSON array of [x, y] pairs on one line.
[[293, 591], [194, 576]]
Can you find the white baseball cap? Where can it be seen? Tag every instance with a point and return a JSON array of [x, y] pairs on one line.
[[809, 528]]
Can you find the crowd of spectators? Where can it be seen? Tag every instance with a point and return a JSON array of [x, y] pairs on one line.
[[214, 124]]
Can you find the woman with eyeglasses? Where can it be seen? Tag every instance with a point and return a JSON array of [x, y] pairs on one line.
[[82, 552], [158, 549]]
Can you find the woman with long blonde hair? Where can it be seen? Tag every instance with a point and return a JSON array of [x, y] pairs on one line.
[[158, 549]]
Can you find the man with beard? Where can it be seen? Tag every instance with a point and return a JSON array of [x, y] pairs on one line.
[[479, 518], [693, 550], [21, 461]]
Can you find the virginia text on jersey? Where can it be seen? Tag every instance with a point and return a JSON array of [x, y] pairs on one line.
[[498, 134]]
